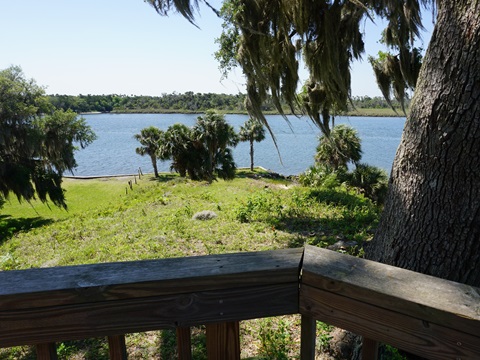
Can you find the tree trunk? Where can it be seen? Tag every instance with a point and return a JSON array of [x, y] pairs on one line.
[[431, 221], [154, 164], [251, 155]]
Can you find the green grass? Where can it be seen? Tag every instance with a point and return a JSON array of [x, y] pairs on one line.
[[387, 112], [107, 221], [81, 196]]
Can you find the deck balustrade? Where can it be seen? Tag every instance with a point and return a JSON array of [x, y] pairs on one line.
[[424, 315]]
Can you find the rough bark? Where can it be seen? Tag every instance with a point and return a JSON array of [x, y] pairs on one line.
[[431, 221]]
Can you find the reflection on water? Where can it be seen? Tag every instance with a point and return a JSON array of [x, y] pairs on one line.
[[114, 150]]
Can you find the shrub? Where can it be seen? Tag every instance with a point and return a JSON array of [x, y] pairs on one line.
[[370, 180], [322, 175], [276, 339]]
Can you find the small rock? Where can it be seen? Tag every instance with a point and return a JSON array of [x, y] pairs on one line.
[[204, 215]]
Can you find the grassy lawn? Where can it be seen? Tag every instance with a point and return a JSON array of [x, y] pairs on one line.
[[107, 221]]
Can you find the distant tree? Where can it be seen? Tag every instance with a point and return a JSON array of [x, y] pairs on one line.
[[216, 135], [37, 142], [252, 130], [339, 148], [151, 139]]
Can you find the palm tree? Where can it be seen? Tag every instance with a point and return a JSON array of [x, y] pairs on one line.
[[150, 138], [252, 130], [185, 154], [216, 135], [342, 146], [370, 180]]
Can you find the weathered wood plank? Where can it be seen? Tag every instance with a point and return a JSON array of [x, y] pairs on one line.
[[78, 321], [426, 297], [389, 326], [223, 341], [369, 349], [128, 280], [184, 343], [117, 347], [46, 351], [308, 338]]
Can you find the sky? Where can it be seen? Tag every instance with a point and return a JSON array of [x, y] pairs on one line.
[[99, 47]]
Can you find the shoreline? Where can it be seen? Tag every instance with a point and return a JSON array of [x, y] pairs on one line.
[[96, 177], [356, 113]]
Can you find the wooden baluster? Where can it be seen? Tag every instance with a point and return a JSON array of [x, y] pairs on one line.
[[308, 338], [184, 343], [223, 341], [46, 351], [117, 347], [369, 349]]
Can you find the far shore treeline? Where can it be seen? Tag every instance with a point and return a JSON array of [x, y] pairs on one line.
[[190, 102]]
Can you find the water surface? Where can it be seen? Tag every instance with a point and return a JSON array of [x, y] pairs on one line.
[[113, 152]]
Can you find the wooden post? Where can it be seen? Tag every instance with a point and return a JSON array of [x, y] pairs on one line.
[[117, 347], [308, 337], [184, 343], [223, 341], [369, 349], [46, 351]]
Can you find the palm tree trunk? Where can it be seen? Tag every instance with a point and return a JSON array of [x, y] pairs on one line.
[[251, 155], [154, 163]]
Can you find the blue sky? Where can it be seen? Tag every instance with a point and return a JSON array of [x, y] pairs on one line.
[[124, 47]]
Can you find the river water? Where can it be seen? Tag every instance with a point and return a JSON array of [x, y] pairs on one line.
[[113, 152]]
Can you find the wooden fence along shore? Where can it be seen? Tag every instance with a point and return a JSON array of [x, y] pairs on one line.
[[431, 317]]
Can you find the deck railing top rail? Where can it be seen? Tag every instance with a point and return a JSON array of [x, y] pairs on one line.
[[54, 286]]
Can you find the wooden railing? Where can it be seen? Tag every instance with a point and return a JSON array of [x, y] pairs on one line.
[[433, 318]]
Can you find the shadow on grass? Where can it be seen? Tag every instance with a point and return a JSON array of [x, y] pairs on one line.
[[88, 349], [357, 218], [259, 174], [323, 232], [337, 198], [165, 177], [10, 226]]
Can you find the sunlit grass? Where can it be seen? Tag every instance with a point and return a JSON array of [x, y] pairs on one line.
[[107, 221]]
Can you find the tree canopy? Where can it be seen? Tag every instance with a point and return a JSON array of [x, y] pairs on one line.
[[37, 142], [184, 103]]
